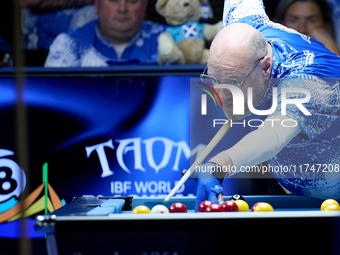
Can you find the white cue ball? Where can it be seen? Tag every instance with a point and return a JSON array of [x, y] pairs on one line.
[[159, 209]]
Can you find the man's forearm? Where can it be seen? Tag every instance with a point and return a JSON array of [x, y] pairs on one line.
[[53, 5], [257, 146]]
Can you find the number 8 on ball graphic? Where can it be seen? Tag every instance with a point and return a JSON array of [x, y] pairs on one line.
[[12, 177]]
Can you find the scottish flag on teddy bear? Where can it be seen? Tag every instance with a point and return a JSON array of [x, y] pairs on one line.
[[188, 30]]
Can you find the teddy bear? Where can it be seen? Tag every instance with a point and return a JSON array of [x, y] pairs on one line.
[[183, 42]]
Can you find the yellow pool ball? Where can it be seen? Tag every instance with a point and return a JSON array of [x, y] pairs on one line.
[[332, 207], [141, 209], [262, 207], [242, 205], [327, 203]]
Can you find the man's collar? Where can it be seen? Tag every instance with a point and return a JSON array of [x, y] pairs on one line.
[[101, 38]]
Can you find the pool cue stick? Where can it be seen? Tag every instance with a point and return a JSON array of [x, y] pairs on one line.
[[211, 145]]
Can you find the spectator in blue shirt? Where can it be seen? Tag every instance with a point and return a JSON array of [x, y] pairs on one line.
[[119, 36], [43, 20]]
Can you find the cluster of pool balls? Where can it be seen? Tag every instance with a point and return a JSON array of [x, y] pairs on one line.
[[235, 204]]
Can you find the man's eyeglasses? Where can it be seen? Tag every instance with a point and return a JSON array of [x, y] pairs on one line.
[[231, 81]]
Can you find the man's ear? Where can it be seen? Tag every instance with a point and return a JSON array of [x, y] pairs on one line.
[[146, 2], [266, 66], [160, 6], [96, 4]]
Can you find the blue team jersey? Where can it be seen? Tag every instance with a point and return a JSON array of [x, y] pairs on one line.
[[86, 47], [312, 158]]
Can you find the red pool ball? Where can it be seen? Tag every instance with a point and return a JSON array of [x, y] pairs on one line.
[[178, 208], [203, 206], [214, 208], [230, 206]]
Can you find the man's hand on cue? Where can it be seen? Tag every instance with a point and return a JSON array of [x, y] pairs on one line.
[[209, 187]]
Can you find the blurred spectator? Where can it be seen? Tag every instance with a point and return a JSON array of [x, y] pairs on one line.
[[6, 33], [43, 20], [335, 5], [310, 17], [119, 36], [5, 53]]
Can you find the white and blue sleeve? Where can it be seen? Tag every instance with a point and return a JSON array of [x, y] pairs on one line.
[[234, 10]]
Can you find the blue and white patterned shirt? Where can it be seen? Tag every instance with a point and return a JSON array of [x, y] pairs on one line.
[[40, 29], [86, 47], [300, 61]]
